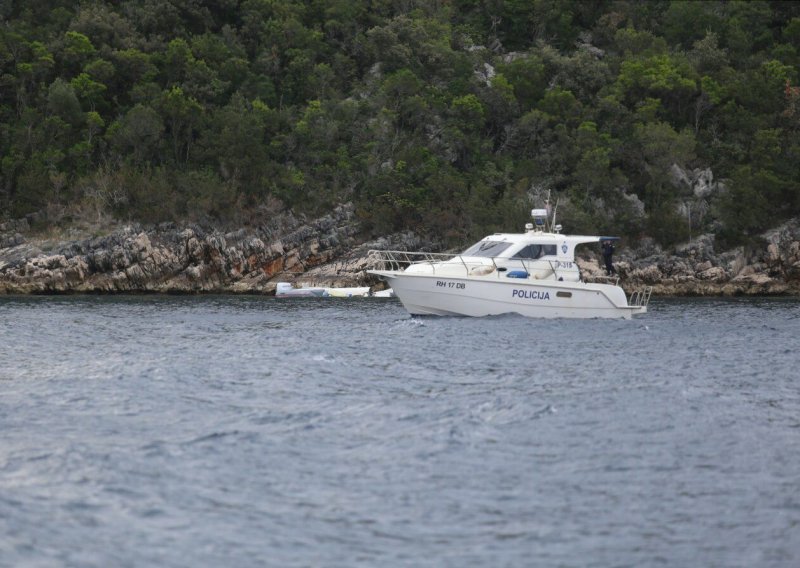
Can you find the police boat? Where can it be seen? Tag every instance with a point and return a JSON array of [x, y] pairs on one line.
[[533, 274]]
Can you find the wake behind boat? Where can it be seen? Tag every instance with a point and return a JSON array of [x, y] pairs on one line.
[[533, 274]]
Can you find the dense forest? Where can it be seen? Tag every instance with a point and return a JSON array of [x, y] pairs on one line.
[[449, 117]]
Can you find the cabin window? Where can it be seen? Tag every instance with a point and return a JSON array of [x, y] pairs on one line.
[[535, 251], [486, 248], [530, 251]]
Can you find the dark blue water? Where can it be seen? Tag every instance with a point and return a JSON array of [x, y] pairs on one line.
[[249, 431]]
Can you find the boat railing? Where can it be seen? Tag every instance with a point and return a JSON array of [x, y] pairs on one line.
[[401, 260], [640, 298]]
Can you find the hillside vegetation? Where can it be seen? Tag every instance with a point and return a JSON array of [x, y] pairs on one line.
[[449, 117]]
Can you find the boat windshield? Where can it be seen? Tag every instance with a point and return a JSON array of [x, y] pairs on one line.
[[536, 251], [486, 248]]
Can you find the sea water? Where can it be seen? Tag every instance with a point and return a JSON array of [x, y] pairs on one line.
[[254, 431]]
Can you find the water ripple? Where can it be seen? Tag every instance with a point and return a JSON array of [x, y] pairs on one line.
[[247, 431]]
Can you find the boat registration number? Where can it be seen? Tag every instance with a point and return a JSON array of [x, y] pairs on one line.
[[563, 264], [456, 285]]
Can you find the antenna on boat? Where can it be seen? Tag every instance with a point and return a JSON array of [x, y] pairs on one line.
[[551, 214], [544, 220], [556, 228]]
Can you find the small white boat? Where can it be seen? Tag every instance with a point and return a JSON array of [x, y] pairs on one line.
[[388, 293], [357, 292], [287, 290], [533, 274]]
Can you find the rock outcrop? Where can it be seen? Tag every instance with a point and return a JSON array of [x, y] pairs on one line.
[[331, 251], [696, 269], [171, 259]]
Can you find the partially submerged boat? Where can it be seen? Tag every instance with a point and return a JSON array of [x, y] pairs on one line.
[[532, 273], [288, 290]]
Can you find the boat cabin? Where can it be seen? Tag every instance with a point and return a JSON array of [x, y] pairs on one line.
[[541, 252]]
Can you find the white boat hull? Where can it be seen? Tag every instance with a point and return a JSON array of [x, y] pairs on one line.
[[424, 294], [287, 290]]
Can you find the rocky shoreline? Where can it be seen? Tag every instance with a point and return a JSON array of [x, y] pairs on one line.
[[696, 269], [171, 259], [330, 251]]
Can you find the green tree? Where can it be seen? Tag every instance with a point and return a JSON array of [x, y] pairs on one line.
[[528, 79], [182, 114], [88, 89], [666, 77], [238, 140], [63, 102], [78, 49], [138, 135], [688, 22], [657, 147], [468, 113]]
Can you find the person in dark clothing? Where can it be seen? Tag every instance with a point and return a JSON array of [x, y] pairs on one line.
[[608, 253]]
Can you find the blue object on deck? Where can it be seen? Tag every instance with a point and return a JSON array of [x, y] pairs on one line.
[[517, 274]]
